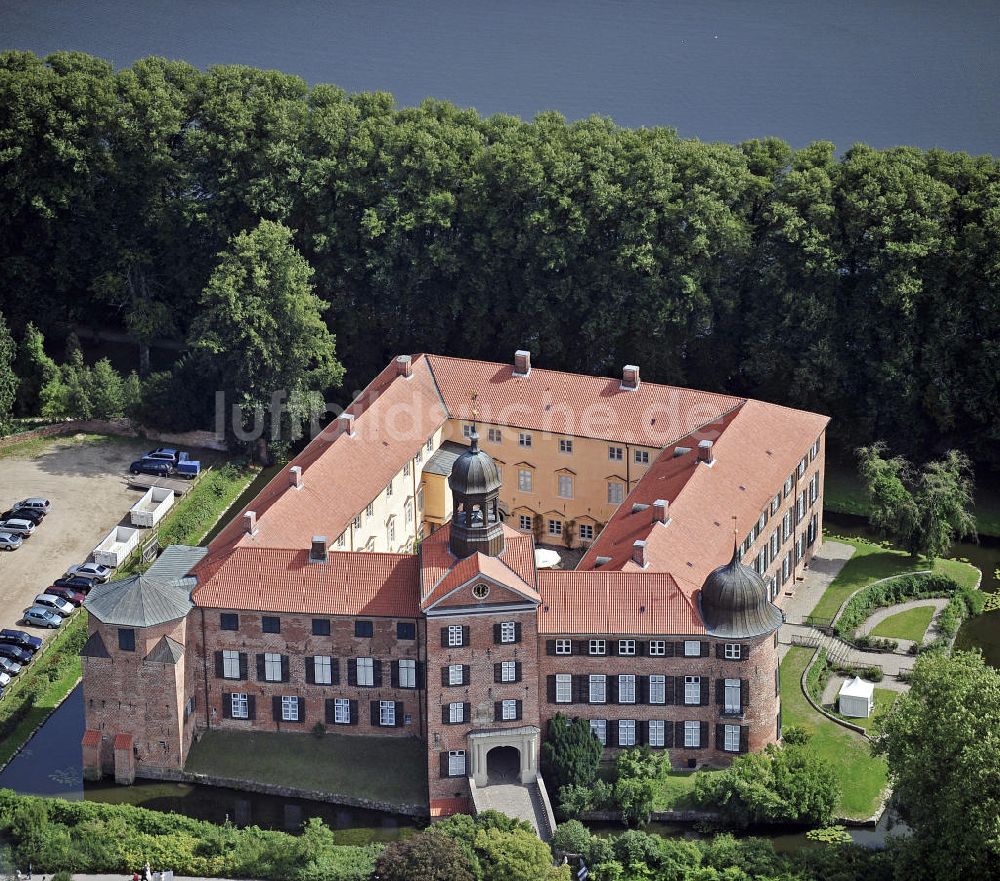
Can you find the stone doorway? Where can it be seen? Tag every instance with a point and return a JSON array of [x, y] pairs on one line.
[[503, 765]]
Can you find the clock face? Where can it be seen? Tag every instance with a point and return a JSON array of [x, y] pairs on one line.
[[481, 591]]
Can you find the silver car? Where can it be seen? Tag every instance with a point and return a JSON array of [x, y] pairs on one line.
[[8, 665], [56, 604], [24, 528], [9, 541], [35, 503], [93, 571], [42, 617]]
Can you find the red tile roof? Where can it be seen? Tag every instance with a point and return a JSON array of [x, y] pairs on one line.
[[640, 603], [445, 807], [123, 741], [90, 738], [572, 403], [283, 580], [759, 446]]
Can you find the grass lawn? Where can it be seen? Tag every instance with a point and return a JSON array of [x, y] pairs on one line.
[[884, 699], [391, 769], [862, 777], [195, 515], [872, 562], [676, 791], [32, 448], [910, 624]]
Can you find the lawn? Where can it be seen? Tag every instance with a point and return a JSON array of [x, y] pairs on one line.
[[675, 793], [863, 777], [872, 562], [911, 624], [884, 699], [391, 769]]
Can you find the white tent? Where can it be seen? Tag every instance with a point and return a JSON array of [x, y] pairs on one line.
[[546, 559], [857, 698]]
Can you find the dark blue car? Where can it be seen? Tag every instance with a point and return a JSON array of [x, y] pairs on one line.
[[156, 467], [15, 653], [20, 638], [75, 582]]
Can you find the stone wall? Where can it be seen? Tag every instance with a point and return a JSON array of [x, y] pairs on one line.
[[123, 428]]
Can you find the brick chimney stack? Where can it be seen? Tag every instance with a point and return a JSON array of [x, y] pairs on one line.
[[295, 476], [705, 452], [522, 362], [250, 519], [404, 366], [346, 423], [639, 553], [630, 377], [660, 510]]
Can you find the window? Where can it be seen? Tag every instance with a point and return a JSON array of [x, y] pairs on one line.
[[692, 648], [456, 763], [365, 668], [616, 454], [626, 688], [456, 713], [323, 670], [641, 457], [774, 543], [565, 486], [430, 444], [733, 697], [508, 710], [364, 628], [564, 688], [626, 732], [597, 688], [239, 706], [813, 489], [733, 651], [786, 567], [814, 450], [270, 624], [456, 675], [494, 435], [786, 526], [455, 636], [555, 527], [406, 469], [657, 730], [508, 671], [789, 483], [524, 439], [391, 529], [776, 503], [599, 727], [692, 690], [272, 667], [341, 711], [357, 522], [289, 709], [657, 647], [758, 563], [597, 647], [801, 470], [388, 489], [467, 431], [657, 689], [420, 456], [407, 674], [408, 512], [800, 507], [586, 532], [406, 630], [126, 639], [565, 445], [231, 665], [524, 480], [799, 548], [626, 646], [564, 647], [692, 734], [616, 493], [370, 510], [508, 632], [387, 714], [527, 522], [229, 621], [731, 742], [320, 627]]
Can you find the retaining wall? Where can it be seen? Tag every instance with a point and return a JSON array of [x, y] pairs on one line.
[[122, 428]]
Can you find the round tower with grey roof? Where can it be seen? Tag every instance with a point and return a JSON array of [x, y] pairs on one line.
[[475, 490], [735, 603]]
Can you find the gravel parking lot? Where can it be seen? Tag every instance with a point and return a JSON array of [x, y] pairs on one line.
[[85, 481]]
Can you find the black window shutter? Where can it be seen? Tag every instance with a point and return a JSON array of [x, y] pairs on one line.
[[227, 706], [517, 671], [612, 645], [310, 670], [251, 707], [276, 708], [517, 709], [640, 733], [705, 688], [352, 671], [444, 676], [244, 671], [745, 650], [399, 714], [678, 734], [377, 673], [420, 674], [574, 647], [497, 711], [612, 694], [335, 671], [704, 648], [744, 693], [373, 710], [612, 732], [668, 690], [285, 673], [679, 688], [703, 735], [353, 708], [497, 672], [260, 668], [720, 692], [465, 634], [679, 649], [444, 763], [517, 631], [218, 665], [550, 646], [668, 735], [643, 696], [445, 720], [668, 649], [331, 712], [550, 689], [582, 646], [579, 689], [465, 674], [496, 634], [720, 737], [444, 637], [466, 712], [394, 674], [720, 650], [302, 709], [640, 647]]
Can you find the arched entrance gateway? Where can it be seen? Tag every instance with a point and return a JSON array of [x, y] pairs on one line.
[[504, 756], [503, 765]]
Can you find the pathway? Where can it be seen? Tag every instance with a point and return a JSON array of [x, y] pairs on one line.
[[518, 800], [879, 615]]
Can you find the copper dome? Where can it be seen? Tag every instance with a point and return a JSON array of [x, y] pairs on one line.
[[735, 603], [474, 473]]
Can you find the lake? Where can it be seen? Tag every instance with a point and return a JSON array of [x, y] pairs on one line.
[[890, 72]]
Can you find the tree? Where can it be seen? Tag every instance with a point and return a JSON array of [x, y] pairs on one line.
[[263, 324], [921, 511], [431, 855], [518, 855], [8, 379], [570, 754], [944, 760], [640, 774], [35, 368]]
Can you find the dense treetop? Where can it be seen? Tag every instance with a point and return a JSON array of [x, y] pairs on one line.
[[866, 286]]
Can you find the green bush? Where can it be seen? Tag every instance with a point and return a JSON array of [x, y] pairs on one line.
[[571, 837], [570, 753]]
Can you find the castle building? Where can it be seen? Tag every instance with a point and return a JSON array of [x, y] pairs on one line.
[[387, 582]]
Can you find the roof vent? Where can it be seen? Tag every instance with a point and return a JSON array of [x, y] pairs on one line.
[[346, 423], [250, 519], [630, 378], [601, 561], [681, 451], [522, 362], [705, 452], [639, 553], [660, 510], [404, 365], [295, 476], [318, 549], [638, 506]]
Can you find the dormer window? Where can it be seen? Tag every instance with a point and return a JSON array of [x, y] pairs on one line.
[[318, 549]]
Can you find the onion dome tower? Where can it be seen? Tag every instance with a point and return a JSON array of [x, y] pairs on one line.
[[475, 492], [735, 603]]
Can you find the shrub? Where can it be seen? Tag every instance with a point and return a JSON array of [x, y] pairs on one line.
[[431, 855], [572, 837], [570, 753]]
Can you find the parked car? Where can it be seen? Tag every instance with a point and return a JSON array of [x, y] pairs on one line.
[[9, 666], [156, 467], [39, 616], [92, 571], [36, 504], [23, 528], [4, 679], [165, 454], [20, 638], [75, 582], [31, 514], [57, 604], [10, 542], [64, 593], [16, 653]]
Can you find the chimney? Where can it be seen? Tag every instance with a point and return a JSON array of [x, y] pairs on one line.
[[639, 553], [317, 552], [404, 366], [250, 519], [346, 423], [660, 510], [630, 377], [295, 476], [705, 452], [522, 362]]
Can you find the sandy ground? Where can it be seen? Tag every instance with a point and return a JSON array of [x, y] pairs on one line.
[[86, 484]]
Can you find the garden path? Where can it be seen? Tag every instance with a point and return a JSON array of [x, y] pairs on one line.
[[879, 615]]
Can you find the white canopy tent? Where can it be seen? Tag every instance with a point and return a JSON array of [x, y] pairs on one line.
[[546, 559], [856, 698]]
